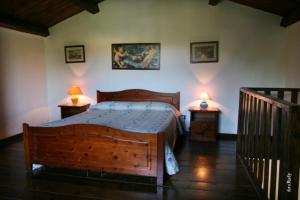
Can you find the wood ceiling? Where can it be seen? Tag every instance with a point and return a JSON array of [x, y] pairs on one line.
[[36, 16]]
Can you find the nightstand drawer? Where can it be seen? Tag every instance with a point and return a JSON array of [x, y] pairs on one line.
[[203, 126], [205, 131], [204, 137], [71, 111], [204, 116]]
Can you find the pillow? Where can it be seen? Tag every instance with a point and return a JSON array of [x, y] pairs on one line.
[[129, 105]]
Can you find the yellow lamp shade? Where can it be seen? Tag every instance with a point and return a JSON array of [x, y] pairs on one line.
[[75, 90]]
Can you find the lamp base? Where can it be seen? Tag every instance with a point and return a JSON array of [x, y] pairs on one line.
[[74, 99], [203, 104]]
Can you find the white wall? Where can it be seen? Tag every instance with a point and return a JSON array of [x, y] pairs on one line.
[[22, 81], [293, 69], [251, 51]]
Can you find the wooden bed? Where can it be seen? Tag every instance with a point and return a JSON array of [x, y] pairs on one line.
[[101, 148]]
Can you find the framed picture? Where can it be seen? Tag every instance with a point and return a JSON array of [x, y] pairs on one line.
[[136, 56], [204, 52], [74, 54]]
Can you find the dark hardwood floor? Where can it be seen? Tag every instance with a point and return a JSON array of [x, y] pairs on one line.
[[207, 171]]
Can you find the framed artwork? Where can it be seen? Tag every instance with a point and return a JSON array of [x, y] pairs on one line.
[[136, 56], [74, 54], [204, 52]]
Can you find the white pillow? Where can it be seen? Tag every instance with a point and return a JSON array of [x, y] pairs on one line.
[[125, 105]]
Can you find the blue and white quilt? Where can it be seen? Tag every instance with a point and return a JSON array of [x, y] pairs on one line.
[[143, 117]]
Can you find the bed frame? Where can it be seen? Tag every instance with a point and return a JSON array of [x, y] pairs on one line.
[[101, 148]]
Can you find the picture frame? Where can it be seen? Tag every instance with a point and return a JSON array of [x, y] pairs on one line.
[[204, 52], [74, 54], [136, 56]]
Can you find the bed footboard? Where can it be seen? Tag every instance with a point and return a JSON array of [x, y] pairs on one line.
[[95, 147]]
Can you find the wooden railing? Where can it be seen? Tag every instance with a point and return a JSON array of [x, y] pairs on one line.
[[269, 140]]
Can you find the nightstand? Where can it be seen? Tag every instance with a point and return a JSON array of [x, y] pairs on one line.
[[204, 124], [68, 110]]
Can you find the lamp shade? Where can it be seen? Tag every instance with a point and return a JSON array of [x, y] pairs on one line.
[[204, 96], [75, 90]]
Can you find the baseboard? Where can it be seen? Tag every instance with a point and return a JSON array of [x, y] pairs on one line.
[[220, 136], [225, 136], [15, 138]]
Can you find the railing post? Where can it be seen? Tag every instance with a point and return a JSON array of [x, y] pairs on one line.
[[245, 126], [240, 123], [293, 155], [276, 118], [252, 132], [282, 193], [294, 97], [257, 137], [248, 131], [267, 148], [262, 135]]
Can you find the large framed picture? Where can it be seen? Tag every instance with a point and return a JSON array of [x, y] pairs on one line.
[[204, 52], [74, 54], [136, 56]]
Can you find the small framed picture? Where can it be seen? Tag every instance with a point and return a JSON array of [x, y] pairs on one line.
[[204, 52], [74, 54]]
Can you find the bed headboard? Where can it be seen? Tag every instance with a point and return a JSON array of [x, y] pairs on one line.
[[140, 95]]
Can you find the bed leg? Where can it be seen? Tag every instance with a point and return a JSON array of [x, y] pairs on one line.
[[160, 181], [159, 193], [28, 161], [160, 159]]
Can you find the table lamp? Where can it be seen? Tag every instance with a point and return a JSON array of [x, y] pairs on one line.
[[74, 91], [203, 98]]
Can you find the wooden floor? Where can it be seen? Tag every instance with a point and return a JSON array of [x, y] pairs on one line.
[[207, 171]]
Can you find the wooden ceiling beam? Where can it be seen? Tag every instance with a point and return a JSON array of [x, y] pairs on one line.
[[292, 18], [23, 26], [214, 2], [88, 5]]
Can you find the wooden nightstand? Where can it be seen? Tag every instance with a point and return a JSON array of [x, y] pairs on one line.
[[204, 124], [68, 110]]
